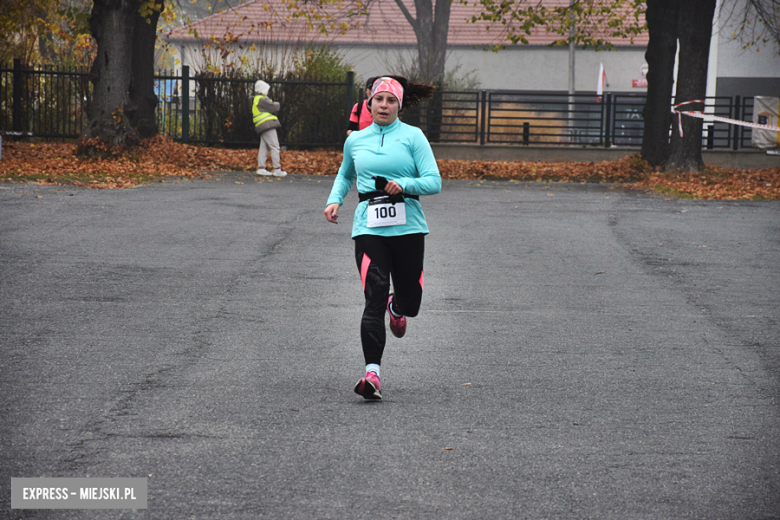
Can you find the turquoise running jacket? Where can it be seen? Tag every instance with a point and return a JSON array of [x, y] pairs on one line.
[[398, 152]]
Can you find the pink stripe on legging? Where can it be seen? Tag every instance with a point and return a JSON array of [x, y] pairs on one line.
[[364, 269], [422, 278]]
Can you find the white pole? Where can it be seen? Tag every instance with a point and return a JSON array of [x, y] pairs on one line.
[[571, 68], [572, 90], [712, 67]]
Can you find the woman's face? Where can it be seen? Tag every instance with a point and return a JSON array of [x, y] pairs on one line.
[[384, 108]]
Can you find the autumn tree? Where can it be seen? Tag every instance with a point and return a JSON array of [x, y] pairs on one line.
[[22, 25], [45, 32], [755, 23], [430, 22], [596, 22], [122, 75], [115, 37], [660, 57], [431, 26], [123, 105], [589, 23], [694, 29], [690, 24]]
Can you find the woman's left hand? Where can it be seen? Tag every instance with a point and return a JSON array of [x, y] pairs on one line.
[[332, 212], [393, 188]]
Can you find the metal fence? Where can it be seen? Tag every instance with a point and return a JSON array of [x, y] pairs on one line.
[[211, 109], [203, 108], [217, 110], [43, 102], [561, 119]]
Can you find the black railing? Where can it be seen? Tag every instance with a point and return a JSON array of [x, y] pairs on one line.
[[214, 109], [199, 109], [43, 102], [217, 110], [560, 119]]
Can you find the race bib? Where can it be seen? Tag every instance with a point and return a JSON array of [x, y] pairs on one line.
[[382, 213]]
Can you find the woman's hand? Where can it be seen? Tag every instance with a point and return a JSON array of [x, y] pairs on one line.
[[393, 188], [332, 212]]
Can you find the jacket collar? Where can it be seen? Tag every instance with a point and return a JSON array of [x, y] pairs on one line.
[[378, 129]]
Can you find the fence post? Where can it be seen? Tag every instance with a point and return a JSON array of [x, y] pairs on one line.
[[185, 104], [608, 122], [350, 98], [736, 128], [710, 137], [483, 118], [18, 86], [526, 133], [433, 115]]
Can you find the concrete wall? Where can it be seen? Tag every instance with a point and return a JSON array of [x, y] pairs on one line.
[[754, 71], [524, 67], [518, 67], [515, 68], [747, 72]]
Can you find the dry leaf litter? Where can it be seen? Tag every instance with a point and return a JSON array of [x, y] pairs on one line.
[[160, 157]]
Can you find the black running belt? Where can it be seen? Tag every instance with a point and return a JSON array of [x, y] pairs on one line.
[[375, 194]]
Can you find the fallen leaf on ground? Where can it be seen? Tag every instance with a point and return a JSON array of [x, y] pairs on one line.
[[55, 163]]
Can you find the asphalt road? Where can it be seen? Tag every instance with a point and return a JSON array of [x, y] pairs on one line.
[[581, 352]]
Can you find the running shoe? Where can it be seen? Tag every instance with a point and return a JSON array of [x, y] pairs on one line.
[[368, 386], [279, 173], [397, 325], [263, 171]]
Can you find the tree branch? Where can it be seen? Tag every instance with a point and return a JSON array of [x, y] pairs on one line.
[[407, 14]]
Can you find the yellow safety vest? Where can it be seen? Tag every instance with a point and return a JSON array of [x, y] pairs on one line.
[[261, 117]]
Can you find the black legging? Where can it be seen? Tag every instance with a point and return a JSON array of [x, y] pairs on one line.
[[377, 259]]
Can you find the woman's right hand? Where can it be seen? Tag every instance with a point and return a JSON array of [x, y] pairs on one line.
[[332, 212]]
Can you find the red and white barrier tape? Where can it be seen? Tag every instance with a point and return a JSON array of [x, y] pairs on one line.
[[710, 117]]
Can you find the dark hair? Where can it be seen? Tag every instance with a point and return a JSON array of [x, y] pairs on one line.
[[370, 82], [413, 92]]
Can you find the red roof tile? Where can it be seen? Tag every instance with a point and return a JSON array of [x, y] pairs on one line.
[[385, 24]]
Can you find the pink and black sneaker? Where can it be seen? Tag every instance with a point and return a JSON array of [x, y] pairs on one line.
[[397, 325], [368, 386]]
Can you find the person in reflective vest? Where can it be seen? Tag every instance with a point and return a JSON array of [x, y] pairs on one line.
[[266, 123]]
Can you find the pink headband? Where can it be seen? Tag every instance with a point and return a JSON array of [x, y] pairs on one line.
[[390, 85]]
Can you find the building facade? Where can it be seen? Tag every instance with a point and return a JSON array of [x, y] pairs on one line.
[[383, 41]]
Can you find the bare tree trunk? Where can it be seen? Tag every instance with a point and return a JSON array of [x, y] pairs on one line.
[[111, 24], [431, 29], [695, 29], [142, 97], [661, 50], [441, 28], [122, 109]]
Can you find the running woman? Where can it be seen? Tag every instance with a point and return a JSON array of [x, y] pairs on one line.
[[360, 117], [393, 165]]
